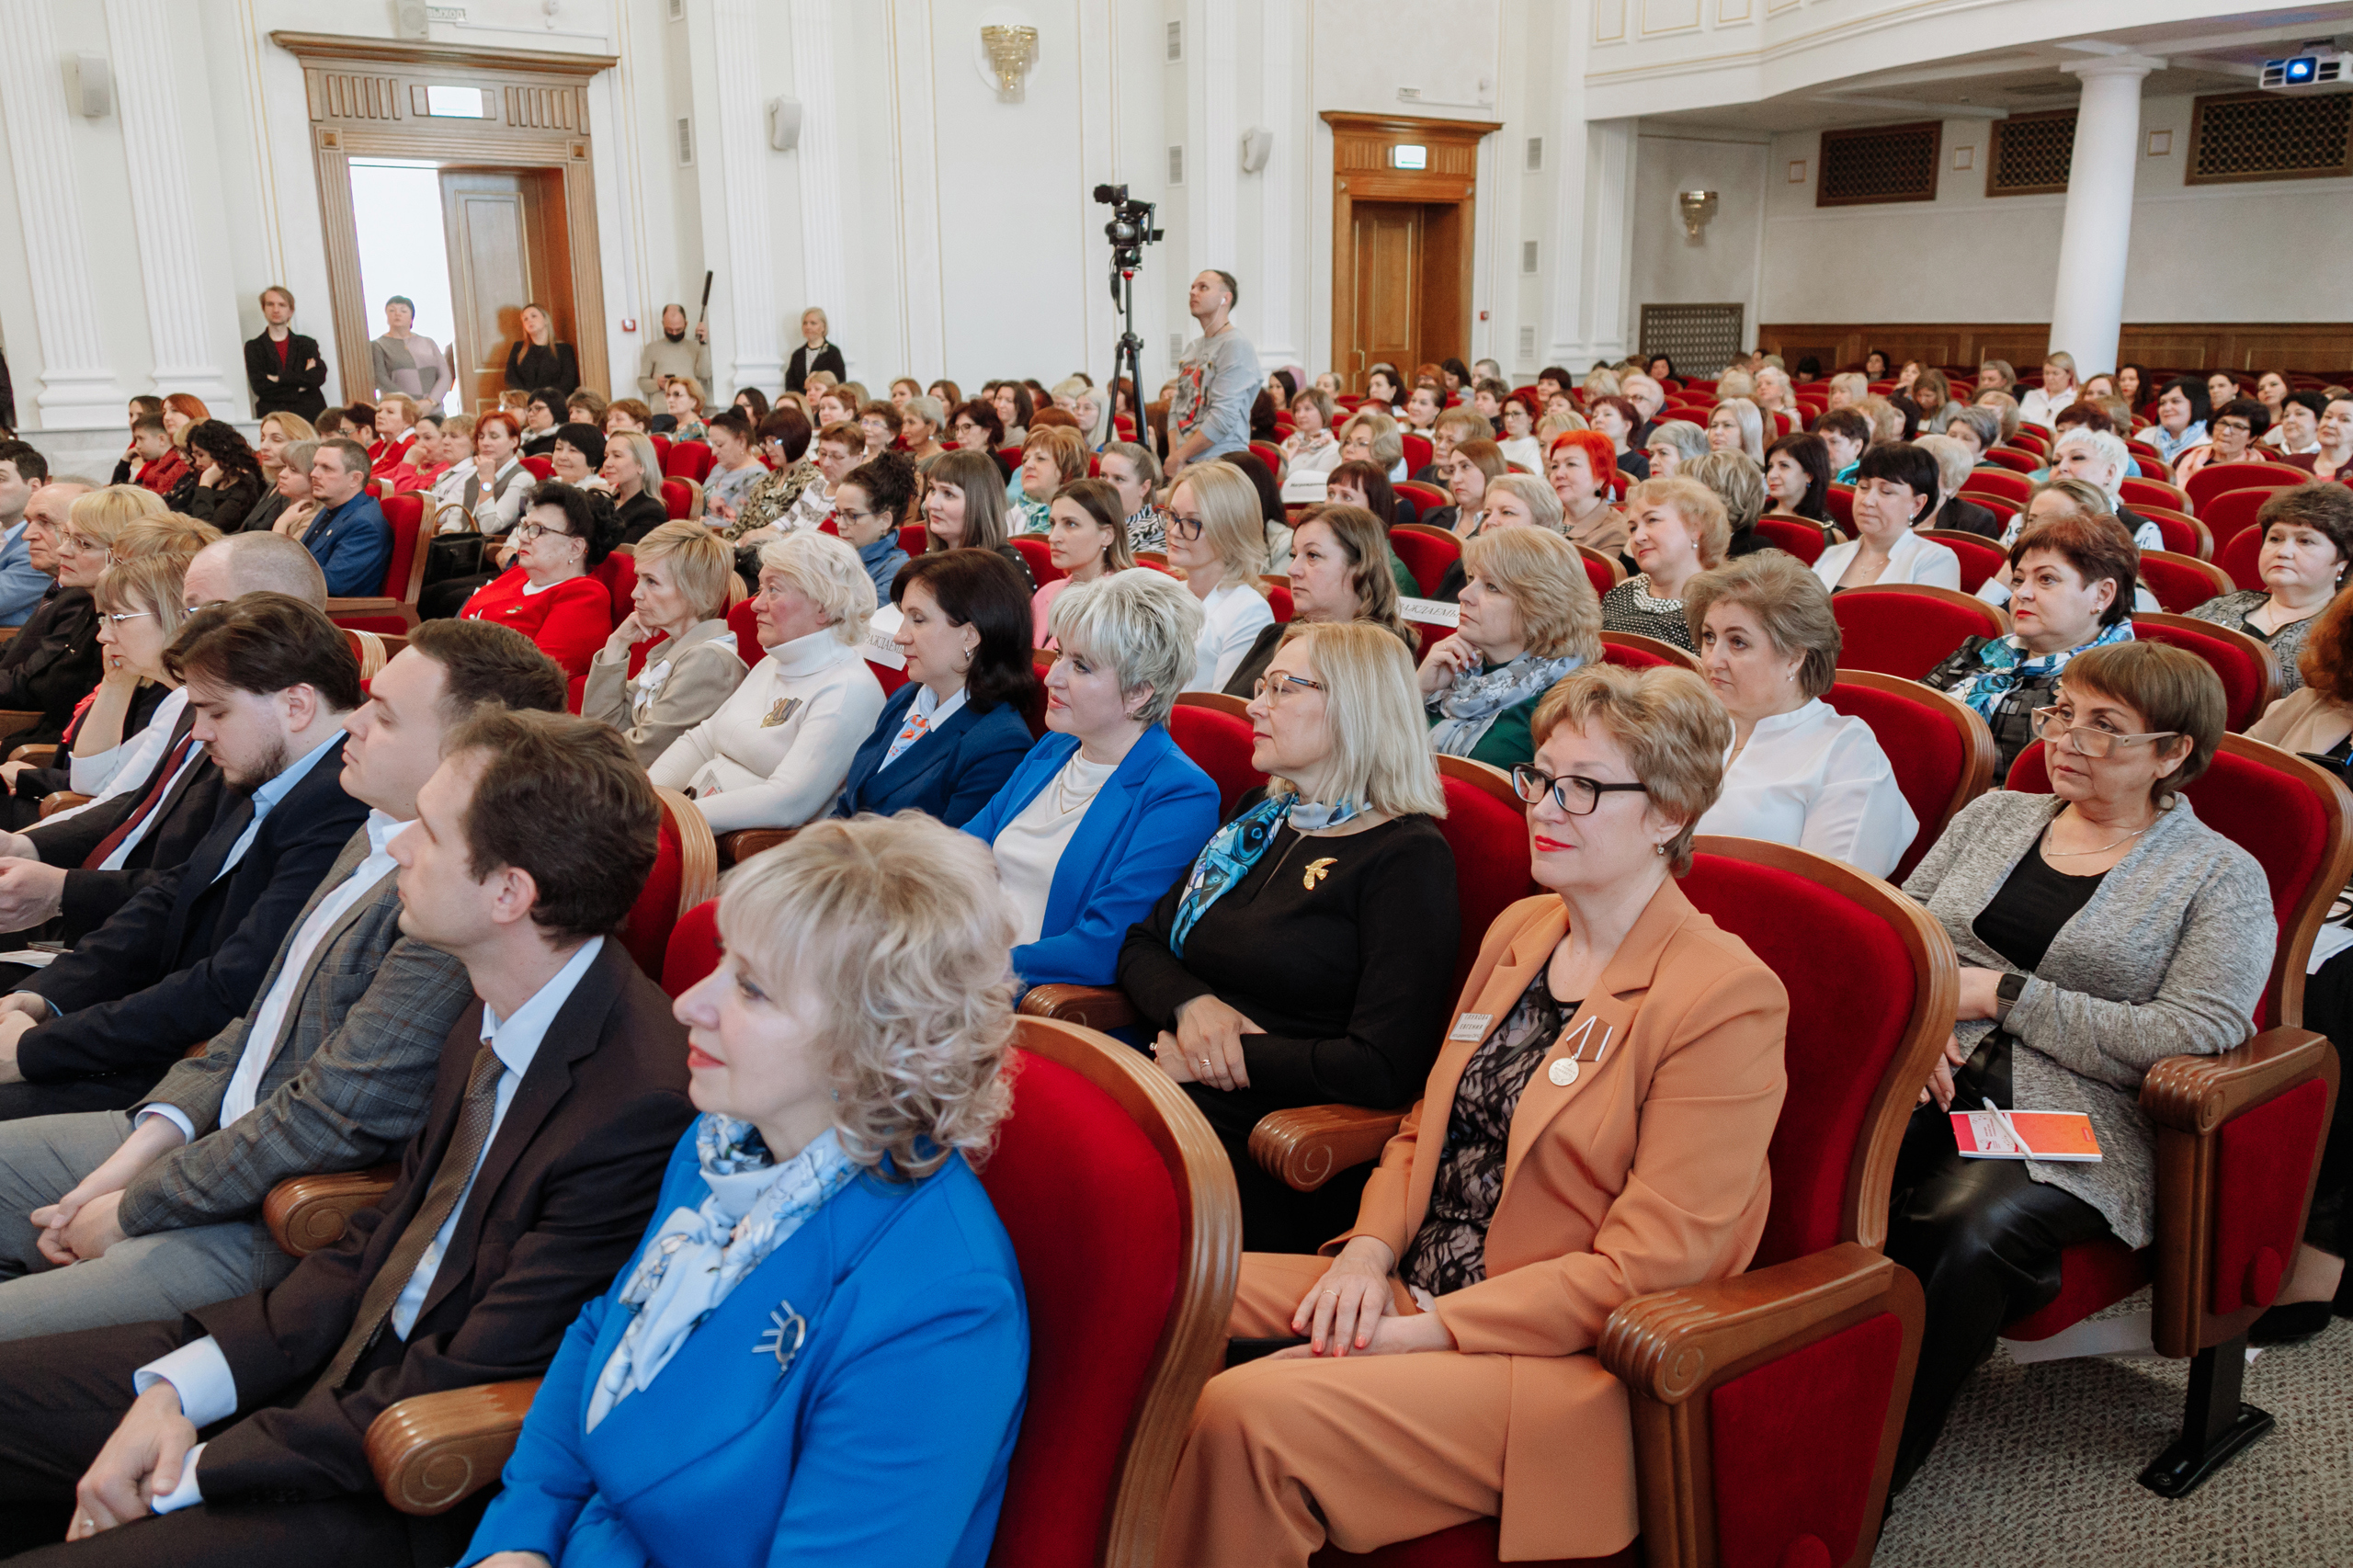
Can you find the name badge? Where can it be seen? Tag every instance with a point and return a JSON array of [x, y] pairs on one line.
[[1429, 612], [880, 650], [1471, 1026]]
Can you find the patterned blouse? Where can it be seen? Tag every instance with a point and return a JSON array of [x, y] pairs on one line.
[[2286, 644], [1629, 606], [1148, 527], [770, 499], [1451, 1249]]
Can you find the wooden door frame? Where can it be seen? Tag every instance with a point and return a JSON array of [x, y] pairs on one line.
[[1360, 172], [366, 100]]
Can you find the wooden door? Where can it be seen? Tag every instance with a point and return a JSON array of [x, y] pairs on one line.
[[1387, 286], [508, 247]]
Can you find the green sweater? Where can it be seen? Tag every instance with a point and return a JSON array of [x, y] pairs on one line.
[[1510, 740]]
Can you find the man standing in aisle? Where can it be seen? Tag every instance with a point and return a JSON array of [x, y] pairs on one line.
[[673, 354], [1216, 381]]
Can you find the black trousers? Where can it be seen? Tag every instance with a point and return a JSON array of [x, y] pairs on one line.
[[61, 1399], [1275, 1217], [1985, 1239], [2328, 1008]]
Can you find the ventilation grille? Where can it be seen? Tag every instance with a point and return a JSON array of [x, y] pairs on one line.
[[1535, 154], [1527, 256], [1700, 339], [2031, 153], [1527, 343], [1175, 346], [685, 142], [1175, 166], [1879, 162], [2264, 136], [1176, 41], [678, 10]]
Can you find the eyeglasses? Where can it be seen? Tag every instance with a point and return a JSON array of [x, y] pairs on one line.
[[1279, 686], [849, 517], [77, 542], [1184, 527], [2232, 427], [525, 532], [1577, 795], [2051, 723], [119, 617]]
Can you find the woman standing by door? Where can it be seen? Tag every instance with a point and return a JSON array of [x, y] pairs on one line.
[[404, 362], [539, 363]]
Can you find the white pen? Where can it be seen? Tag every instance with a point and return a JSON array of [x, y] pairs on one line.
[[2008, 1126]]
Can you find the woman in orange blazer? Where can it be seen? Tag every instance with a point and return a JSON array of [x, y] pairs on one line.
[[1594, 1130]]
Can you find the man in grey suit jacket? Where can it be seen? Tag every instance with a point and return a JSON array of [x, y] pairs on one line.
[[158, 1208]]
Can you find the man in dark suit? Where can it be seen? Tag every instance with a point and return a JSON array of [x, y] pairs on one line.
[[330, 1070], [559, 1101], [350, 537], [53, 660], [270, 681], [284, 369]]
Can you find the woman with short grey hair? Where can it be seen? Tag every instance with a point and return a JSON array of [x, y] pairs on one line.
[[1673, 443]]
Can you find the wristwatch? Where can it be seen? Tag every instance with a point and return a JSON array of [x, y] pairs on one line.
[[2006, 993]]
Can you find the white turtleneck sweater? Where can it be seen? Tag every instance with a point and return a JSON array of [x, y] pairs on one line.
[[776, 753]]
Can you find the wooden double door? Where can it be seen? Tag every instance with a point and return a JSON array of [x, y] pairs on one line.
[[1406, 290], [509, 246]]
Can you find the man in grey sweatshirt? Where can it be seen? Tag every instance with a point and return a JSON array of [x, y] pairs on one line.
[[675, 353]]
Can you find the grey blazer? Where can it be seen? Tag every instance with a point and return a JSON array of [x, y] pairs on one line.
[[350, 1082], [691, 677], [2168, 959]]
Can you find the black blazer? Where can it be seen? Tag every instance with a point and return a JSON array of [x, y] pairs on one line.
[[262, 516], [798, 370], [294, 391], [530, 368], [226, 505], [52, 663], [643, 513], [185, 956], [1969, 517], [185, 815], [563, 1197], [34, 783]]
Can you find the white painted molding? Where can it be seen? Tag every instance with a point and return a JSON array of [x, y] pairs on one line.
[[78, 386], [742, 151], [923, 311], [1216, 61], [171, 267], [1280, 197], [824, 273]]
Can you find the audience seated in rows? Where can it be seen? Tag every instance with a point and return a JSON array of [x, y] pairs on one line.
[[1218, 538], [1896, 489], [549, 593], [1087, 539], [632, 472], [1583, 471], [1308, 954], [872, 503], [1339, 571], [690, 662], [53, 661], [348, 534], [1740, 485]]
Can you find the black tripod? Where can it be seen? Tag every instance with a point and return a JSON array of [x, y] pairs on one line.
[[1127, 360]]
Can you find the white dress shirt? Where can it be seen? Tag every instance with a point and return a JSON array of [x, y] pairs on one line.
[[1913, 560], [129, 760], [278, 1004], [1818, 779], [208, 1389], [1235, 615], [775, 753], [2039, 407]]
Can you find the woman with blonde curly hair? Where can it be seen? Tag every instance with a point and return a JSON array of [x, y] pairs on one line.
[[849, 1058], [1528, 617]]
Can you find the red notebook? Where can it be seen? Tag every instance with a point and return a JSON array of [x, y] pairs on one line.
[[2025, 1134]]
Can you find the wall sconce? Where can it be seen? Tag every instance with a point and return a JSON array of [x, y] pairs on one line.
[[1697, 206], [1011, 51]]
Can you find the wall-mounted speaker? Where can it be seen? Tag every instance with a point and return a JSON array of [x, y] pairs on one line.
[[784, 124], [92, 88], [410, 21], [1257, 145]]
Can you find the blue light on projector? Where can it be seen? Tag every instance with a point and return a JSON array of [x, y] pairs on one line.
[[2302, 70]]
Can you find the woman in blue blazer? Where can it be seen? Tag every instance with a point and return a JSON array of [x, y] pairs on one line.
[[1105, 811], [825, 1262], [949, 737]]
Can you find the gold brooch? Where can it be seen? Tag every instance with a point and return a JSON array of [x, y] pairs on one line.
[[1317, 870], [782, 709]]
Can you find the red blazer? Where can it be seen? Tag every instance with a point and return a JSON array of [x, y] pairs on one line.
[[569, 621], [386, 458]]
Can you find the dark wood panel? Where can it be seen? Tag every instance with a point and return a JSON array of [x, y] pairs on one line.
[[1388, 258], [2320, 347], [1433, 294]]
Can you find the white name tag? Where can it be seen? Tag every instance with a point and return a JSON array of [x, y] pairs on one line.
[[880, 650], [1471, 1026], [1429, 612]]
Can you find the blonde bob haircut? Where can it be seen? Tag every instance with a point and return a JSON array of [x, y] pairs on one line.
[[829, 575], [1068, 450], [1750, 421], [1791, 607], [1671, 727], [1702, 509], [294, 427], [899, 931], [1543, 505], [1142, 623], [155, 582], [1232, 524], [700, 563], [102, 515], [1372, 710], [1544, 576]]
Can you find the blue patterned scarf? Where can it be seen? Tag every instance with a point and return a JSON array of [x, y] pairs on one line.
[[2002, 666], [1240, 845]]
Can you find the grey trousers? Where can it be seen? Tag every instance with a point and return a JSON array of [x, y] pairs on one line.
[[140, 1278]]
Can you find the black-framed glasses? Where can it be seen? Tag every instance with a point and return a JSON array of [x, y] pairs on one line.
[[2051, 724], [1184, 527], [2233, 427], [525, 532], [1577, 795], [845, 515], [1276, 688]]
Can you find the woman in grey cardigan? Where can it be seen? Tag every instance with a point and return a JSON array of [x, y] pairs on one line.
[[683, 570], [2100, 929]]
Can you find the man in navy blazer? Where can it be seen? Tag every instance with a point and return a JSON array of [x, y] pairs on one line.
[[350, 537], [270, 681]]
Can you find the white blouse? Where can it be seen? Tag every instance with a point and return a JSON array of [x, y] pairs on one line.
[[1913, 560], [1818, 779], [1236, 614], [1030, 847], [776, 752]]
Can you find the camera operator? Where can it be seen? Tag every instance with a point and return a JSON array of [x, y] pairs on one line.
[[1216, 381]]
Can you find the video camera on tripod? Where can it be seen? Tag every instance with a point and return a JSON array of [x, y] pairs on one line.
[[1129, 230]]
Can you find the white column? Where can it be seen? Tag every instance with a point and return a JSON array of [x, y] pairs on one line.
[[813, 71], [1214, 49], [2088, 303], [78, 388], [1278, 200], [922, 325], [170, 268], [742, 153], [1592, 229]]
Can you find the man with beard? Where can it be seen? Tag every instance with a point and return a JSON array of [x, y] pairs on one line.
[[673, 354]]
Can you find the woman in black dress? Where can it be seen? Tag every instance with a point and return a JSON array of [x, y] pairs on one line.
[[538, 363]]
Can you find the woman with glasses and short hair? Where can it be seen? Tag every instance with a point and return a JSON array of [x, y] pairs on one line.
[[1308, 955], [547, 594], [2100, 928]]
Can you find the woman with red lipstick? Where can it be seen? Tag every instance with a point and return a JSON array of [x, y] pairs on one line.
[[1306, 956], [1574, 1145], [2100, 928]]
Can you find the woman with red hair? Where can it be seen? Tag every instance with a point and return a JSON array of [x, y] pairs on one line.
[[1582, 468]]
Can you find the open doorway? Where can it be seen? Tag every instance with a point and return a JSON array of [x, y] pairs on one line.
[[396, 207]]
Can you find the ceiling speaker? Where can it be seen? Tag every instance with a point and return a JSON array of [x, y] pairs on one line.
[[411, 22]]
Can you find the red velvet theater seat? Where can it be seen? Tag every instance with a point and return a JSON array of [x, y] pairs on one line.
[[2250, 678], [2242, 560], [685, 874], [686, 460], [1426, 553], [1907, 629], [1486, 826], [1213, 729], [1941, 751], [2182, 582], [1980, 556], [393, 610], [694, 951], [1632, 651], [1801, 539], [1766, 1406], [2216, 478], [2233, 513]]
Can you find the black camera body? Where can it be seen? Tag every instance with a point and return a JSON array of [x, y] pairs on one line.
[[1130, 229]]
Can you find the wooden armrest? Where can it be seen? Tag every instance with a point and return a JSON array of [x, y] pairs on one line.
[[58, 801], [1102, 1007], [372, 606], [306, 1213], [431, 1451], [1671, 1343], [2197, 1094], [1306, 1147], [38, 756], [16, 721], [736, 847]]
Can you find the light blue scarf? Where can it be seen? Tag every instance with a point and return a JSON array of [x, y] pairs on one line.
[[2004, 663], [1240, 845], [698, 1254]]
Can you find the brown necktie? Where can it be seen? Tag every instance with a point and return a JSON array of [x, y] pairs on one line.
[[449, 1181], [163, 776]]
